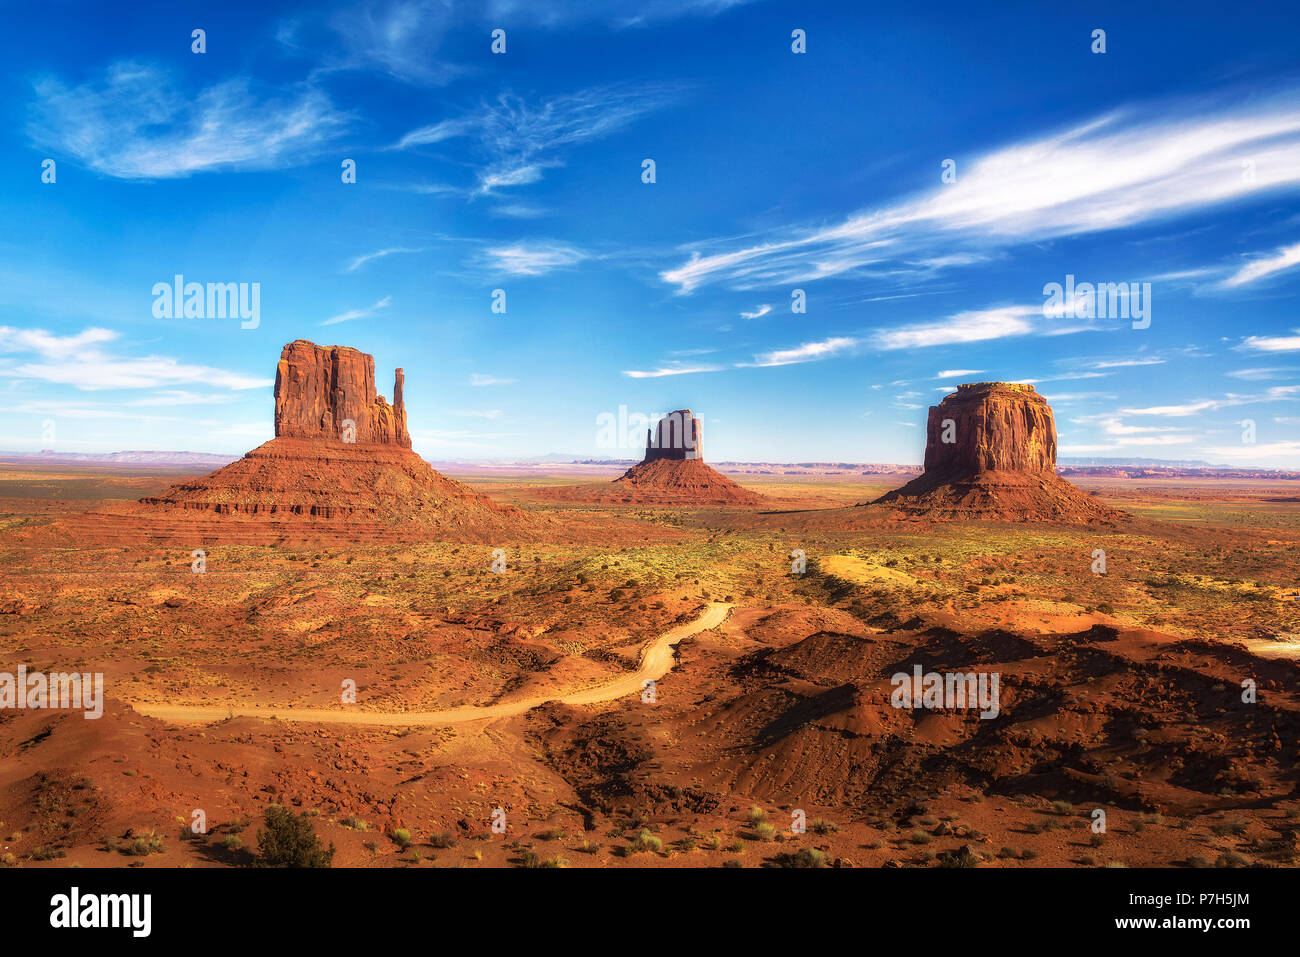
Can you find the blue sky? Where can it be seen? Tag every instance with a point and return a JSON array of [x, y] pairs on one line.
[[1173, 158]]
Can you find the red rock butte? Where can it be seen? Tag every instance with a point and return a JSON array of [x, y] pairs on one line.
[[340, 452], [673, 470], [327, 393], [990, 452]]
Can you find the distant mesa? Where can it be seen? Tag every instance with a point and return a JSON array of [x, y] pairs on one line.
[[990, 453], [340, 451], [672, 473]]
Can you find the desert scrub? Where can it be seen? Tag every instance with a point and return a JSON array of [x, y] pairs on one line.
[[645, 841], [232, 842], [919, 837], [820, 826], [804, 857], [442, 841], [402, 837], [355, 823], [290, 841], [757, 816], [765, 831]]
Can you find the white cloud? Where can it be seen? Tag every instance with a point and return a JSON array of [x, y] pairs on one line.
[[957, 373], [534, 258], [1272, 343], [1261, 374], [670, 370], [1116, 171], [378, 254], [479, 379], [808, 352], [971, 326], [137, 125], [77, 361], [518, 140], [761, 311], [358, 313], [1126, 363], [1257, 269]]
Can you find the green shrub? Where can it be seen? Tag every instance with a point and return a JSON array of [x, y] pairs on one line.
[[290, 841]]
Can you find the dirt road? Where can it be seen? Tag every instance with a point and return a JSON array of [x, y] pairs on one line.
[[656, 661]]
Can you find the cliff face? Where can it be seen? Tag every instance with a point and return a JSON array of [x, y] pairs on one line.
[[996, 427], [678, 435], [320, 389]]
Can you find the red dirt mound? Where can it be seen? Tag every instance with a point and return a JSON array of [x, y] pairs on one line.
[[681, 481]]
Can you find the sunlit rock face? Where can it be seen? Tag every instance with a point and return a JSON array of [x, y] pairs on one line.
[[327, 393]]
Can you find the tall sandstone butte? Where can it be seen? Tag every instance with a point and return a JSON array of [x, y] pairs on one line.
[[990, 452], [320, 389], [341, 452]]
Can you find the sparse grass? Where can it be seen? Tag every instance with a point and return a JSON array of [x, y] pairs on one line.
[[804, 857], [646, 841]]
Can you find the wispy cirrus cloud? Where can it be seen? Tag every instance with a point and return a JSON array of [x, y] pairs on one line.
[[974, 325], [136, 124], [758, 313], [671, 369], [360, 261], [956, 373], [1272, 343], [405, 39], [481, 379], [1285, 258], [517, 140], [358, 313], [807, 352], [533, 258], [77, 360], [1123, 169]]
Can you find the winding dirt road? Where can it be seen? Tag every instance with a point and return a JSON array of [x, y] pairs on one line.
[[656, 661]]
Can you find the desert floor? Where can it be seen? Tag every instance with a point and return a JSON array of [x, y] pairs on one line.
[[479, 689]]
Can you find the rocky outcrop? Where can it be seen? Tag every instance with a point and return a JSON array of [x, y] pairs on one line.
[[678, 435], [673, 471], [990, 453], [991, 427], [327, 393], [341, 453]]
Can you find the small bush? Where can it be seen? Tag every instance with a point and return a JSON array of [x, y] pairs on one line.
[[290, 841]]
